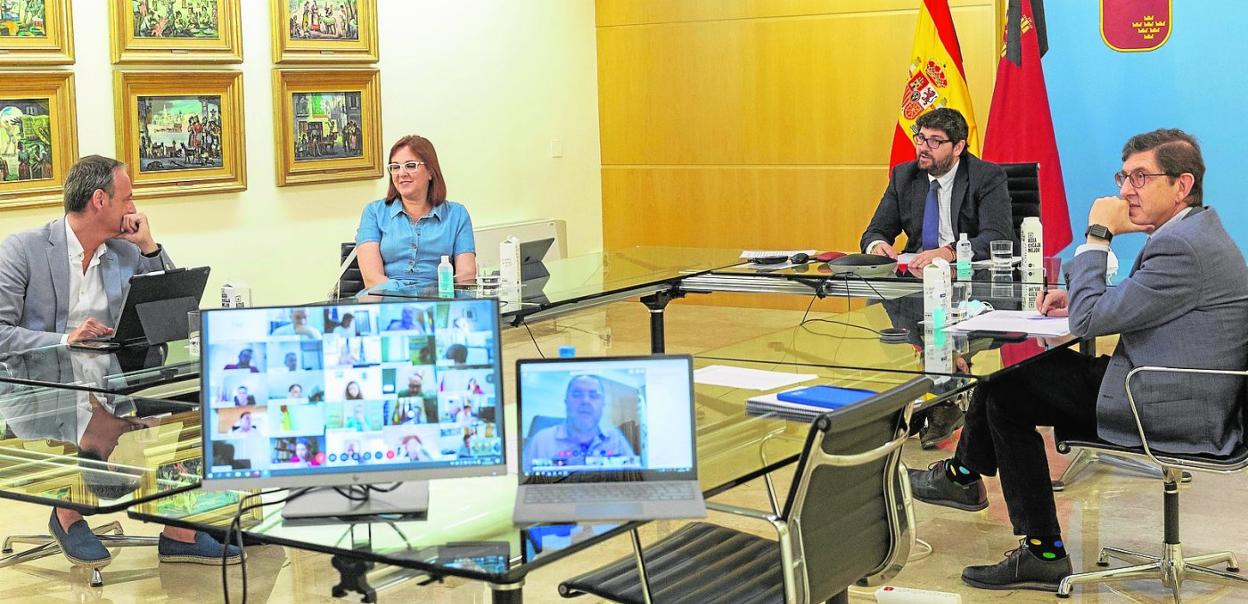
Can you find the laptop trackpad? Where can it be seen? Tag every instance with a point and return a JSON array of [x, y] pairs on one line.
[[608, 511]]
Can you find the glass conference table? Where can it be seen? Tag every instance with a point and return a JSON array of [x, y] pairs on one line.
[[93, 453], [468, 532]]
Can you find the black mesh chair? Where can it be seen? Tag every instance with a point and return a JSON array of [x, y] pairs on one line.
[[1171, 567], [350, 281], [846, 519], [1022, 182]]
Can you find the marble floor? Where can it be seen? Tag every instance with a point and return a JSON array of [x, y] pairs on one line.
[[1106, 507]]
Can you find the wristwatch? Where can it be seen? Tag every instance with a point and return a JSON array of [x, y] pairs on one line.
[[1100, 232]]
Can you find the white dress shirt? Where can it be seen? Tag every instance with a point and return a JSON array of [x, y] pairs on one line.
[[944, 200], [86, 289]]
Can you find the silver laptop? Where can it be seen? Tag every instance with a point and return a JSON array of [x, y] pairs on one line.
[[609, 438]]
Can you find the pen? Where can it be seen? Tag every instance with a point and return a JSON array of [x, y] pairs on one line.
[[1044, 292]]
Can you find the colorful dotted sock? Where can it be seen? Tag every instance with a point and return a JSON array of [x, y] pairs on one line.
[[1046, 547], [960, 473]]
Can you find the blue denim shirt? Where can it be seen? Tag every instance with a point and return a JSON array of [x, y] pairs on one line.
[[411, 252]]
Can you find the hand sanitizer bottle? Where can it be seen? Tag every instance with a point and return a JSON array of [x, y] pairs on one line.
[[446, 278], [936, 293], [964, 258]]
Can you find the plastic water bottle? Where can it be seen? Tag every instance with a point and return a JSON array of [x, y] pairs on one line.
[[567, 351], [936, 293], [964, 258], [446, 278], [1032, 235]]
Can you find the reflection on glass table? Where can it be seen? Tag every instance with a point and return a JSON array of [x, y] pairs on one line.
[[122, 371], [733, 447]]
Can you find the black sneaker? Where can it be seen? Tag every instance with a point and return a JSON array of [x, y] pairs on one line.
[[942, 420], [1020, 569], [935, 487]]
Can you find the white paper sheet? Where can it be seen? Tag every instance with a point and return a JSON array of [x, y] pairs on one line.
[[750, 379], [1029, 321]]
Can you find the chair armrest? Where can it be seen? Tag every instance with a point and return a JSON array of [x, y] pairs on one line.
[[866, 457], [1135, 411], [740, 511]]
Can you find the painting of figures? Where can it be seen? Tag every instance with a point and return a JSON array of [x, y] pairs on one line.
[[23, 18], [187, 19], [179, 133], [25, 140], [324, 19], [327, 125]]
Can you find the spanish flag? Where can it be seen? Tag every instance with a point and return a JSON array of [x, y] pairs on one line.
[[937, 79]]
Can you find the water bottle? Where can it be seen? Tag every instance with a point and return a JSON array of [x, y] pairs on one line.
[[964, 258], [446, 278], [1032, 236], [936, 293]]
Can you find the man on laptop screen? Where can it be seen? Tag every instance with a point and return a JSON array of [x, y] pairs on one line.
[[607, 439], [581, 439]]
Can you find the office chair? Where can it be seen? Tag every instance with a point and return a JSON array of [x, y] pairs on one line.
[[846, 519], [1171, 567], [350, 281], [1022, 183]]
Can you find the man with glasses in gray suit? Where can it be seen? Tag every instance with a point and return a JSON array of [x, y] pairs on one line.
[[1185, 304]]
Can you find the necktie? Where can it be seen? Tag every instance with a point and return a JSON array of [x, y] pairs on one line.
[[931, 217]]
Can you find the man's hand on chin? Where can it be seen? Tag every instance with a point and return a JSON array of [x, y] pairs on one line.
[[1113, 214], [136, 229]]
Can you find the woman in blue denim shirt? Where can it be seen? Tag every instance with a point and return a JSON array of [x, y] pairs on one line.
[[403, 237]]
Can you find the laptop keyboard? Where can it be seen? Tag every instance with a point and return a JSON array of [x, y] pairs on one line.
[[611, 491]]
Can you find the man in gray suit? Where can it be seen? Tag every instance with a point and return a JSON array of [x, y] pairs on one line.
[[66, 280], [1185, 304]]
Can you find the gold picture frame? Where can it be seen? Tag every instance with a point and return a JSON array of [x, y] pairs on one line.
[[38, 136], [327, 125], [181, 132], [200, 31], [337, 31], [65, 485], [183, 467], [36, 33]]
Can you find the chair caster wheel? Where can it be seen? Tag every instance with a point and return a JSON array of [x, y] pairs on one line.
[[1102, 564], [1063, 596], [1232, 569], [6, 551]]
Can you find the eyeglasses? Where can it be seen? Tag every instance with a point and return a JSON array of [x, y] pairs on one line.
[[410, 166], [1138, 178], [932, 143]]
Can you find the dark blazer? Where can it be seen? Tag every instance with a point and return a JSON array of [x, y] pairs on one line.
[[1184, 305], [980, 206]]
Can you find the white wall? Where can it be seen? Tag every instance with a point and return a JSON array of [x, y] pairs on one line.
[[490, 82]]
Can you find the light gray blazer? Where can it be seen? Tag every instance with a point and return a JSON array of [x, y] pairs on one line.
[[1185, 304], [34, 283]]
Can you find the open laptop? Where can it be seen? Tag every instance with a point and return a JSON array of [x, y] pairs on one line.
[[607, 438], [155, 307]]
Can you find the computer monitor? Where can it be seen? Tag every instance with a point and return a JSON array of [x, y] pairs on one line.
[[351, 394]]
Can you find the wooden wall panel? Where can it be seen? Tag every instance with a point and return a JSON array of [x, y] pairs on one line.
[[759, 123]]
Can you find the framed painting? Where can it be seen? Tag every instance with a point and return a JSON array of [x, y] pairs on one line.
[[38, 136], [36, 32], [63, 486], [306, 31], [327, 125], [203, 31], [181, 135]]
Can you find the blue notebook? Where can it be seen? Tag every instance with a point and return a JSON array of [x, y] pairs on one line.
[[825, 397]]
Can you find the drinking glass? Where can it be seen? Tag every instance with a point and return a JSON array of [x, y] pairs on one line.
[[1002, 255]]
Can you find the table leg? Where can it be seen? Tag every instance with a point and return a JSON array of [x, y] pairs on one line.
[[657, 302], [507, 593], [353, 577]]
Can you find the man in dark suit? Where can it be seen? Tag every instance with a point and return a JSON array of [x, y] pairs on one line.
[[944, 192], [1185, 304]]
